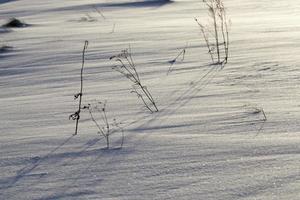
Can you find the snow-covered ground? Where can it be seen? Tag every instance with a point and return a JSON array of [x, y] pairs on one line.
[[207, 141]]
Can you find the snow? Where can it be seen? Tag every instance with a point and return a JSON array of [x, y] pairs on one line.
[[207, 141]]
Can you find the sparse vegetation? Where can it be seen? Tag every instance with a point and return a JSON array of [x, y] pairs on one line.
[[126, 67], [105, 126], [216, 30]]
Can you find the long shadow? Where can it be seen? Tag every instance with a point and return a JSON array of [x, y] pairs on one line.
[[65, 191], [6, 1], [29, 168], [149, 3], [136, 4], [181, 100], [72, 195]]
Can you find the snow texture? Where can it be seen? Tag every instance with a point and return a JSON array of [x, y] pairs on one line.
[[209, 141]]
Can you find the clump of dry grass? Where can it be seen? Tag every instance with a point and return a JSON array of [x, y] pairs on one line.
[[126, 66], [216, 33]]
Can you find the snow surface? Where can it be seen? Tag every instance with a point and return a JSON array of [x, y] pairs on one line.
[[207, 142]]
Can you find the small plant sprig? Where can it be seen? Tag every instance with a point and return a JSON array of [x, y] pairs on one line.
[[76, 116], [99, 12], [172, 62], [126, 67], [257, 110], [104, 126], [217, 13]]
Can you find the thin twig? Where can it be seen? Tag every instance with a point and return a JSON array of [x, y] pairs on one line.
[[99, 11], [172, 62], [76, 115], [202, 28], [113, 28]]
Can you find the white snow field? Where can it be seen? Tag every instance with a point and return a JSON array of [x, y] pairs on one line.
[[209, 140]]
